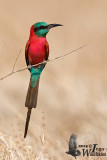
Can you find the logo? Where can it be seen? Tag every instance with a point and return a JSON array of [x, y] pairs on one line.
[[73, 146], [84, 150], [92, 150]]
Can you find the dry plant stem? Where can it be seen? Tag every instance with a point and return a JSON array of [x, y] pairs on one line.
[[16, 60], [3, 45], [50, 60], [5, 42]]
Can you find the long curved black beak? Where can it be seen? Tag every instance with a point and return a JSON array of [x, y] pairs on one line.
[[53, 25]]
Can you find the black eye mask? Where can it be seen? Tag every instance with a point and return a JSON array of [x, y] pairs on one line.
[[49, 26], [41, 27]]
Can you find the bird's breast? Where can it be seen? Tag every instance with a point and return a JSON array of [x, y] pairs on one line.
[[37, 51]]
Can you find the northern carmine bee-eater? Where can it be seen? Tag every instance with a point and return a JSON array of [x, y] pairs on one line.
[[36, 51]]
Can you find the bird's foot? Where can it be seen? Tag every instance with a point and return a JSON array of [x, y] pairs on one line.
[[29, 66]]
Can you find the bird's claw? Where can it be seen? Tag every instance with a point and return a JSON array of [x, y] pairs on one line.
[[29, 66]]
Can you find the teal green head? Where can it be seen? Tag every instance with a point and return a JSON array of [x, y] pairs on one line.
[[42, 28]]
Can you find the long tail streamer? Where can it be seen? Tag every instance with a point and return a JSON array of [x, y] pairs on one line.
[[27, 121]]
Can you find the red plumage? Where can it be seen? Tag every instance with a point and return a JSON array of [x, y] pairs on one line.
[[37, 48]]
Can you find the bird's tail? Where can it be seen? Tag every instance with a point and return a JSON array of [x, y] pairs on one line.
[[31, 102], [32, 95], [27, 121]]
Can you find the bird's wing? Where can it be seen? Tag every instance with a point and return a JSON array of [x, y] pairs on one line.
[[47, 50], [26, 52]]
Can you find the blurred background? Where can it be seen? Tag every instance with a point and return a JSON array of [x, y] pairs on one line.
[[72, 92]]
